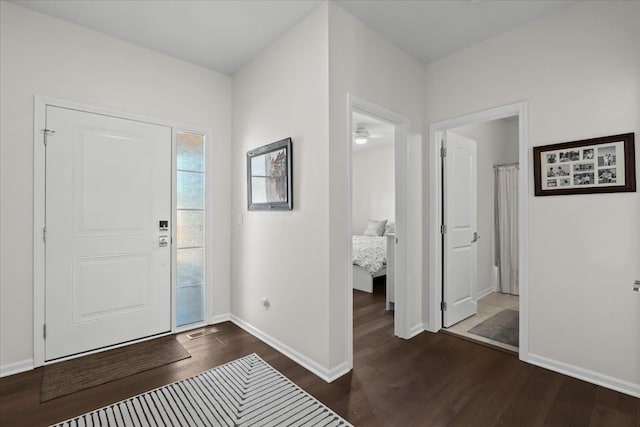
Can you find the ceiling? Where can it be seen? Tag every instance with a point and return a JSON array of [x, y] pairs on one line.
[[221, 35], [429, 30], [381, 134], [225, 35]]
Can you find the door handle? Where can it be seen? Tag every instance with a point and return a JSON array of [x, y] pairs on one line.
[[476, 236], [163, 241], [636, 286]]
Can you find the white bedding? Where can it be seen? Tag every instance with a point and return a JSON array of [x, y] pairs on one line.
[[370, 252]]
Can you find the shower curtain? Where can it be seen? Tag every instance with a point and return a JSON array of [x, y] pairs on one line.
[[506, 228]]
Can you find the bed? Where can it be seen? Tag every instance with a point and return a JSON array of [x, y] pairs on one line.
[[373, 256]]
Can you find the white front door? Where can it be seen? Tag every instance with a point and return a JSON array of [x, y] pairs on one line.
[[108, 276], [460, 220]]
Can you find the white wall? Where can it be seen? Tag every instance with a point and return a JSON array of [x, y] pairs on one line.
[[579, 70], [284, 256], [497, 143], [374, 191], [365, 64], [307, 74], [47, 56]]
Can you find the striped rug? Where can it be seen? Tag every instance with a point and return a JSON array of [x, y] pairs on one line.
[[245, 392]]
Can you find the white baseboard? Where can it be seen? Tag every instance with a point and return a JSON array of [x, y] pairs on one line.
[[417, 329], [16, 367], [485, 292], [328, 375], [616, 384], [428, 328], [219, 318], [335, 373]]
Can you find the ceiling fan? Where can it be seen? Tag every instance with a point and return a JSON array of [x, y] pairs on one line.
[[361, 136]]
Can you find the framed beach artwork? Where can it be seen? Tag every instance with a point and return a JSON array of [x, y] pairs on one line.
[[598, 165], [269, 177]]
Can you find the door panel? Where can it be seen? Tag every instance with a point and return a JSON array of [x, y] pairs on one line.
[[460, 216], [98, 154], [108, 280], [111, 286]]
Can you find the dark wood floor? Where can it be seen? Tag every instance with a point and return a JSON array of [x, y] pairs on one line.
[[430, 380]]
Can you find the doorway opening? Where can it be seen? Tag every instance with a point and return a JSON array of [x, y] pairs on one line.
[[478, 286], [388, 288], [373, 222], [480, 244]]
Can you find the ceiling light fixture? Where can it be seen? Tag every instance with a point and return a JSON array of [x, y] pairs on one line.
[[361, 136]]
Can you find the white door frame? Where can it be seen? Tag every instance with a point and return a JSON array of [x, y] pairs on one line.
[[436, 129], [401, 125], [39, 181]]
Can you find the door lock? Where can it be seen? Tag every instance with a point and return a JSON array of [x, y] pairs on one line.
[[636, 286]]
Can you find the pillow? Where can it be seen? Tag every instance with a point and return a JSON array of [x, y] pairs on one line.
[[375, 228], [390, 228]]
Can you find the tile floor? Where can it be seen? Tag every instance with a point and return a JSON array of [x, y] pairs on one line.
[[487, 306]]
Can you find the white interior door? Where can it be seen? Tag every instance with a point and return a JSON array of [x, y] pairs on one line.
[[460, 219], [108, 272]]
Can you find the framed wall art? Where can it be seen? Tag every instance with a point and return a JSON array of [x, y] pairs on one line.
[[269, 177], [597, 165]]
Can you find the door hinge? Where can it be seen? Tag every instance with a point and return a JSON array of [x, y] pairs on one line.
[[44, 234], [44, 331], [443, 229], [443, 306], [443, 152], [46, 133]]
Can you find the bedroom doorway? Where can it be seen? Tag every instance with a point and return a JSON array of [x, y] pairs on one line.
[[376, 293], [478, 286], [373, 212]]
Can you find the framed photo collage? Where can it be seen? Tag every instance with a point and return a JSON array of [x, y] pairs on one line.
[[590, 166]]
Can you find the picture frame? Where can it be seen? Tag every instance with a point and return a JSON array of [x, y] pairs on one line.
[[270, 177], [597, 165]]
